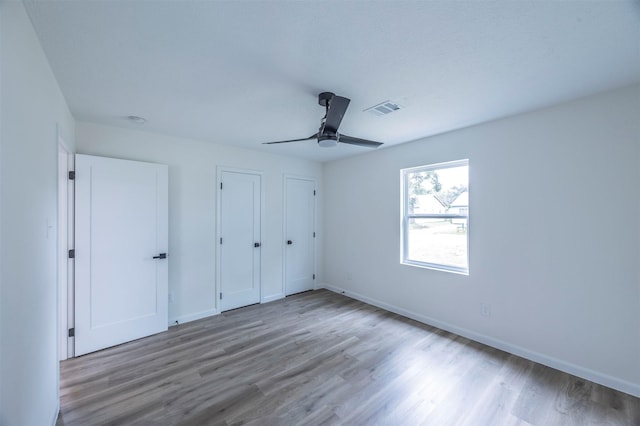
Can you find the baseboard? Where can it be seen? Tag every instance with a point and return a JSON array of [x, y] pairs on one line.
[[558, 364], [210, 312], [56, 412], [192, 317], [273, 297]]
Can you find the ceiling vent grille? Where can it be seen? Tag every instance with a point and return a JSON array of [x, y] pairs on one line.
[[384, 108]]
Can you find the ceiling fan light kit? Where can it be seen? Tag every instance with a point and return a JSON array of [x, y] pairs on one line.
[[327, 142], [328, 135]]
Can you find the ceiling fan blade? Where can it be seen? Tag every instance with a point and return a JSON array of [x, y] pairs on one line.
[[337, 107], [292, 140], [356, 141]]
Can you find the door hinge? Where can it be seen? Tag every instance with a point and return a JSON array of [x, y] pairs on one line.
[[72, 332], [314, 235], [72, 254], [220, 295], [220, 185], [314, 192], [314, 276], [220, 240], [72, 175]]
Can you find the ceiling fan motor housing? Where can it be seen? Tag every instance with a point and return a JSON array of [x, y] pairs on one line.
[[325, 97]]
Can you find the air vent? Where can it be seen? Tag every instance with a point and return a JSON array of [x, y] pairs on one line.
[[384, 108]]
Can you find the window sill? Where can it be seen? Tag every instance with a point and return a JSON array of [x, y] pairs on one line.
[[436, 267]]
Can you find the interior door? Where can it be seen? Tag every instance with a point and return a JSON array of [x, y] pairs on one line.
[[120, 252], [300, 209], [239, 239]]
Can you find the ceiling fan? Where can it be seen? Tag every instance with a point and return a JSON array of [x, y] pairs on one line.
[[328, 135]]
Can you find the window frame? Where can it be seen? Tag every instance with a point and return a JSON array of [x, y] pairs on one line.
[[406, 217]]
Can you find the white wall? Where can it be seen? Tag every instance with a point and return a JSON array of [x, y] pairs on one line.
[[31, 108], [192, 207], [554, 236]]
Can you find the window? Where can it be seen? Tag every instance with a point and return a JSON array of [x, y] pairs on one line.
[[435, 216]]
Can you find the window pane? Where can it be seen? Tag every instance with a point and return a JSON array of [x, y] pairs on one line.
[[438, 191], [438, 241]]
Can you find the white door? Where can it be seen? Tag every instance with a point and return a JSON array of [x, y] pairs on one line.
[[300, 209], [120, 251], [239, 239]]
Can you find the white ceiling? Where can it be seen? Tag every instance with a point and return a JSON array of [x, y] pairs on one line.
[[246, 72]]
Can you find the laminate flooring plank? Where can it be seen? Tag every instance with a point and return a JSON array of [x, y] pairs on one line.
[[397, 377], [441, 374], [118, 398], [494, 407], [310, 397], [613, 407], [324, 360], [298, 395], [460, 399], [322, 416], [320, 358], [536, 402], [96, 364], [443, 394], [143, 379], [120, 410], [217, 406], [226, 375], [269, 357]]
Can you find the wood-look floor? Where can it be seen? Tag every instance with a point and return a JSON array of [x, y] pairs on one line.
[[322, 358]]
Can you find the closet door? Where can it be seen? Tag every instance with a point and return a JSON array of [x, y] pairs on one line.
[[239, 238], [300, 214]]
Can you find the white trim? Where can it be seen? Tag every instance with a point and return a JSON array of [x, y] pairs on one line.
[[285, 178], [65, 236], [62, 244], [56, 413], [585, 373], [277, 296], [71, 241], [182, 319]]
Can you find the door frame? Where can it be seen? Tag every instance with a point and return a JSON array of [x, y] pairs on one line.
[[285, 195], [65, 237], [219, 171]]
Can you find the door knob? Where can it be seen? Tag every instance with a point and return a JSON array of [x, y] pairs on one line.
[[289, 242], [256, 244], [161, 256]]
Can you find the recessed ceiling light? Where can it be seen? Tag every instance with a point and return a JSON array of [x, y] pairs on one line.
[[136, 119]]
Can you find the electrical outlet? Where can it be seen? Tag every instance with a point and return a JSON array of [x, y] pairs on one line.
[[485, 310]]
